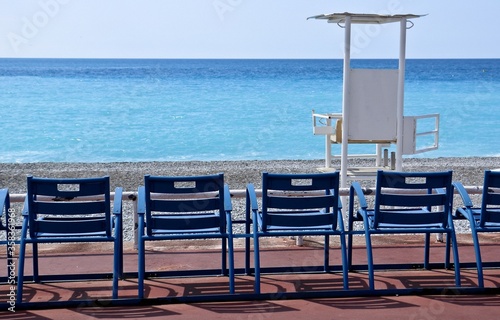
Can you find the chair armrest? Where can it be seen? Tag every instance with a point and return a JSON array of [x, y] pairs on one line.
[[252, 209], [467, 202], [117, 203], [252, 197], [141, 200], [4, 201], [463, 194], [357, 191], [25, 207], [228, 205]]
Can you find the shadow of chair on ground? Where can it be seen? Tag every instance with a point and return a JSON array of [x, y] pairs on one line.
[[245, 307], [130, 312], [468, 300], [363, 303], [65, 291]]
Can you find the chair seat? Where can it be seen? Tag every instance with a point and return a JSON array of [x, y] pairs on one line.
[[70, 227], [315, 228], [409, 212], [99, 235], [186, 232], [293, 220], [181, 223]]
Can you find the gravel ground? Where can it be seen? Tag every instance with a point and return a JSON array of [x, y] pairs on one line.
[[129, 175]]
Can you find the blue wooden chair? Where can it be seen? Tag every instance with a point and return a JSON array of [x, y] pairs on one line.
[[405, 202], [485, 218], [70, 211], [296, 205], [187, 207]]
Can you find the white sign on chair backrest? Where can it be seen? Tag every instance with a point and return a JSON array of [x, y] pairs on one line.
[[373, 105]]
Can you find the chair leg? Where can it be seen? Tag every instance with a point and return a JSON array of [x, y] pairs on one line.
[[20, 273], [141, 268], [349, 243], [247, 255], [448, 249], [247, 232], [369, 253], [116, 267], [479, 262], [326, 254], [230, 242], [427, 250], [117, 256], [22, 256], [369, 257], [256, 265], [345, 271], [456, 260], [256, 256], [120, 237], [231, 265], [36, 278], [224, 257]]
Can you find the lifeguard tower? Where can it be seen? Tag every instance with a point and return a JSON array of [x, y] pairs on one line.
[[373, 108]]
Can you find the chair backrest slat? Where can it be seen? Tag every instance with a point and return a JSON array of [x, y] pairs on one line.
[[493, 198], [208, 221], [493, 216], [297, 203], [185, 205], [182, 185], [410, 218], [412, 180], [71, 226], [301, 182], [68, 188], [69, 208], [412, 200]]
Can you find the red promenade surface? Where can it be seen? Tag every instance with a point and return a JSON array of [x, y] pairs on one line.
[[192, 255]]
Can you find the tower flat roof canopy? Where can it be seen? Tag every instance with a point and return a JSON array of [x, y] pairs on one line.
[[364, 18]]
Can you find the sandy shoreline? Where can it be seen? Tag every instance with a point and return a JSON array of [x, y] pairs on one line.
[[130, 175]]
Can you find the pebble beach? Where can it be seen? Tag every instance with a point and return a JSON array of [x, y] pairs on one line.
[[129, 175]]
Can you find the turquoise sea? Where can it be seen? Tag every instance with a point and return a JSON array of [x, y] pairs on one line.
[[104, 110]]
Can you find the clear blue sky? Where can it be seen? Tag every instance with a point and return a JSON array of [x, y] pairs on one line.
[[240, 29]]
